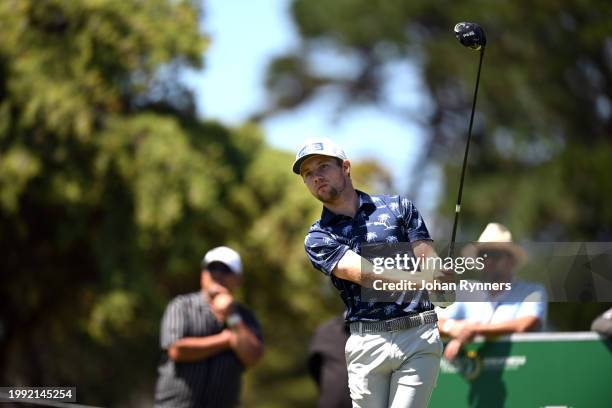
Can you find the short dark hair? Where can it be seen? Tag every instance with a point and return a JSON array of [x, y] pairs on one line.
[[217, 266]]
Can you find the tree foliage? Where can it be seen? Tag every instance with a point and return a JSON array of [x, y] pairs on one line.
[[110, 192], [540, 156], [97, 171], [111, 188], [544, 107]]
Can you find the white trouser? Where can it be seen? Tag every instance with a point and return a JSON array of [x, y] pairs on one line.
[[393, 369]]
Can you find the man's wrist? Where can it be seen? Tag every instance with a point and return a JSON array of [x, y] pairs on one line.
[[233, 319], [468, 331]]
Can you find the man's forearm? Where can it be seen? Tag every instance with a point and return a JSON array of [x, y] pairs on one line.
[[465, 330], [354, 268], [512, 326], [248, 347], [190, 349]]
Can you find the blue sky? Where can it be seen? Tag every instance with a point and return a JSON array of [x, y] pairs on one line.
[[245, 36]]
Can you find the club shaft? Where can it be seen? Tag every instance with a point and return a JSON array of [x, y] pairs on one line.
[[451, 248]]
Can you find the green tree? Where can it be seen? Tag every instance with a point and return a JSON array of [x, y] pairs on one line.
[[98, 169], [540, 155], [111, 190]]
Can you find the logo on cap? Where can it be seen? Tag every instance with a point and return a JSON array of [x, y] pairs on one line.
[[324, 147]]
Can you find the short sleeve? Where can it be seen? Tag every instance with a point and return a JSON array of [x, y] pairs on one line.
[[173, 324], [324, 250], [251, 321], [416, 230], [534, 304], [456, 311]]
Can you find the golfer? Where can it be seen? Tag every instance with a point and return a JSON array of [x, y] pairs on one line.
[[394, 350]]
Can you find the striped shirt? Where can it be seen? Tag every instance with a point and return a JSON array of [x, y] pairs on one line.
[[212, 382]]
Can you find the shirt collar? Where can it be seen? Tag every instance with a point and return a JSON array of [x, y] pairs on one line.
[[365, 201]]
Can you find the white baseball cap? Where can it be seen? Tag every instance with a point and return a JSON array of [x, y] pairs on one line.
[[226, 256], [323, 146]]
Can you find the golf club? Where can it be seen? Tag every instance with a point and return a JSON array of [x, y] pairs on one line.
[[473, 36]]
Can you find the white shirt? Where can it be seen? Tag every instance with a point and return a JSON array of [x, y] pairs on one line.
[[524, 299]]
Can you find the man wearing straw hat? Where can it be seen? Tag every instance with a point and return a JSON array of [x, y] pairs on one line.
[[519, 309]]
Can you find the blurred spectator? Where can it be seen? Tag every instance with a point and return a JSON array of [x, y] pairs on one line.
[[208, 339], [522, 308], [603, 323], [327, 363]]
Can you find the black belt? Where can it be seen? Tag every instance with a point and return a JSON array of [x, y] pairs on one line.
[[399, 323]]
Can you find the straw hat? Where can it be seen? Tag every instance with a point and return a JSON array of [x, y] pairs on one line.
[[496, 237]]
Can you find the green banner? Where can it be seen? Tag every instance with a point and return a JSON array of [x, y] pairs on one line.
[[529, 370]]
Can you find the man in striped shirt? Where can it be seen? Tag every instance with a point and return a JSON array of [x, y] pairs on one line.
[[208, 339]]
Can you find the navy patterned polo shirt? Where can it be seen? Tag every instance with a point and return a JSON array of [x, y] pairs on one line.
[[379, 219]]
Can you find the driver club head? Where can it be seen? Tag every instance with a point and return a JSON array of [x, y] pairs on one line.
[[470, 35]]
